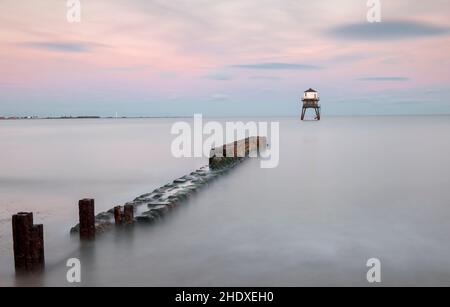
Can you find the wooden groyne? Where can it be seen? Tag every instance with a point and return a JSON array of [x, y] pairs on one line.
[[28, 239], [230, 153], [151, 207]]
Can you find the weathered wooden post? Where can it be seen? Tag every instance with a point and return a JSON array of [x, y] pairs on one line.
[[37, 247], [224, 150], [87, 218], [21, 226], [128, 214], [258, 150], [247, 146], [118, 215], [28, 242]]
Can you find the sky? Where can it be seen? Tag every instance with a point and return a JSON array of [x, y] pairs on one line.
[[223, 57]]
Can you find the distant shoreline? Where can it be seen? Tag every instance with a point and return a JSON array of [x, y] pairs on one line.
[[88, 117], [12, 118]]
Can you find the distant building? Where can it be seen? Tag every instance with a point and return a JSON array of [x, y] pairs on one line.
[[310, 101]]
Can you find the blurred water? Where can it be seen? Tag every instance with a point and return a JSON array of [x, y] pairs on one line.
[[346, 190]]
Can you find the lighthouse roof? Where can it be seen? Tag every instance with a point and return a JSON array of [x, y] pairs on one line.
[[310, 90]]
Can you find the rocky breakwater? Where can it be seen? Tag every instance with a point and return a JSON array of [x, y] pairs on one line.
[[151, 207]]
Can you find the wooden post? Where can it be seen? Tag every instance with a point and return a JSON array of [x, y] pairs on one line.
[[28, 242], [247, 146], [37, 247], [87, 218], [118, 215], [258, 143], [128, 214], [21, 224]]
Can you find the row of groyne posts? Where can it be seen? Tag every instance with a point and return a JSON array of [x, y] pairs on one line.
[[28, 238]]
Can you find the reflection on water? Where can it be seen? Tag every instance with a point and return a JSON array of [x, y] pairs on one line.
[[346, 190]]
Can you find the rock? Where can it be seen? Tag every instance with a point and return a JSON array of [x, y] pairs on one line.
[[158, 204], [104, 216], [145, 219], [180, 180], [182, 195], [142, 197], [198, 180], [173, 199], [103, 227], [151, 213], [160, 209]]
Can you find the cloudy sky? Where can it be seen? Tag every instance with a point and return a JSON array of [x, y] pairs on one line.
[[223, 57]]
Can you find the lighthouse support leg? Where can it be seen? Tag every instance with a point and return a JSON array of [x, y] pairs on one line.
[[317, 113], [303, 113]]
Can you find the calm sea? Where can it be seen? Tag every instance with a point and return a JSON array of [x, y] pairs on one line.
[[347, 189]]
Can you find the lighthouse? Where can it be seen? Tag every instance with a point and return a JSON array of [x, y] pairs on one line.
[[311, 101]]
